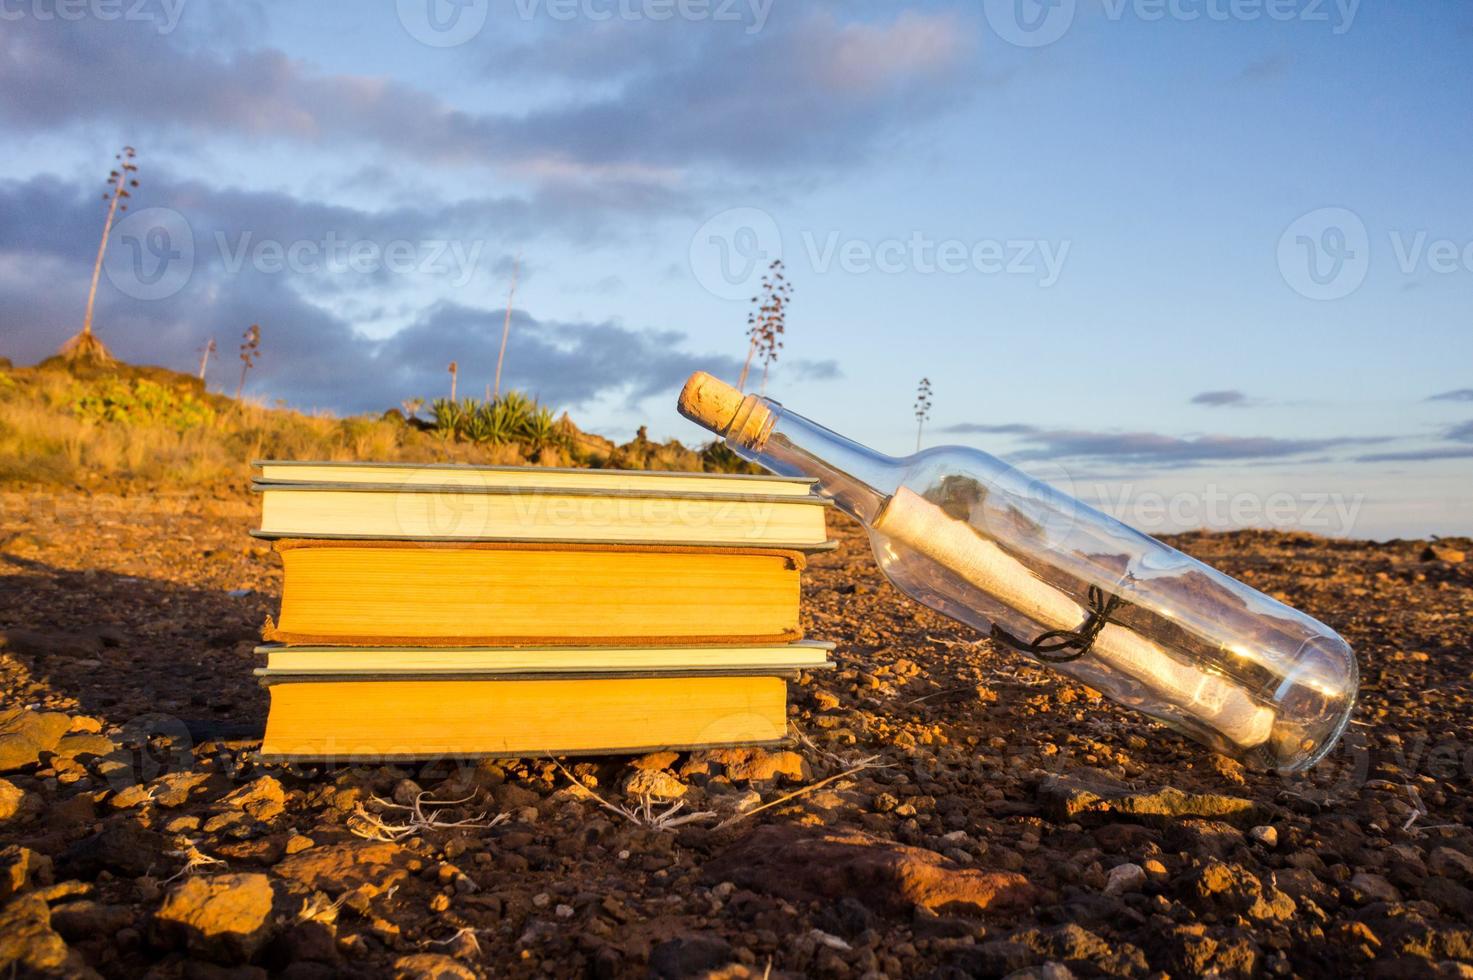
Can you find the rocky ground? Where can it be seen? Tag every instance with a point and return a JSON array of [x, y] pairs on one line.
[[949, 810]]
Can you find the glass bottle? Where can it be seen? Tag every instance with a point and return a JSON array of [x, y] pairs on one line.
[[1155, 630]]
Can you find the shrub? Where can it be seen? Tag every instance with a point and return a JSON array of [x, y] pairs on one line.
[[142, 402]]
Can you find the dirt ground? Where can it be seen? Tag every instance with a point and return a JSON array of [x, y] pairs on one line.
[[955, 810]]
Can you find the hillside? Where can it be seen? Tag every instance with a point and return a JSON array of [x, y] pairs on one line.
[[125, 427]]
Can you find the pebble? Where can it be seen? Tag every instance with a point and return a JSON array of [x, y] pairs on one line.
[[1125, 878], [1264, 834]]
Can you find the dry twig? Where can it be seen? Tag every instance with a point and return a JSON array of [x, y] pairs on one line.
[[371, 826], [644, 814], [863, 764], [195, 861]]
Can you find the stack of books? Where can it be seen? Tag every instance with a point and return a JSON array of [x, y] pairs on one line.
[[433, 611]]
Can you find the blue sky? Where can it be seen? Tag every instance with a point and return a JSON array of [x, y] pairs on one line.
[[1075, 231]]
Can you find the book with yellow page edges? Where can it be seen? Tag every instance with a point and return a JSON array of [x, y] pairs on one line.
[[457, 610], [502, 503]]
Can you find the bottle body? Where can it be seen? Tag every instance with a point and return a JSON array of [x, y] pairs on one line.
[[1150, 627]]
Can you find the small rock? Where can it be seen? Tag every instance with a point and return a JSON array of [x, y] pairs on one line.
[[1441, 552], [1125, 878], [825, 701], [25, 735], [222, 917], [1450, 863], [297, 843], [28, 944], [406, 791], [22, 868], [1373, 887], [750, 765], [1265, 835], [177, 788], [80, 921], [84, 746], [656, 783], [655, 760], [16, 804], [263, 799], [688, 956], [122, 847], [1067, 798], [804, 864], [129, 797], [371, 866], [430, 966]]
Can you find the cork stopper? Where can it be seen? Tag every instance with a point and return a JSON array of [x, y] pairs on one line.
[[711, 402]]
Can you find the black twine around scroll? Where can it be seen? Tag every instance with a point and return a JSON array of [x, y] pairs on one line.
[[1065, 646]]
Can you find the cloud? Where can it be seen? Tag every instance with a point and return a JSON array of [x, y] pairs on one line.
[[1456, 395], [824, 370], [1010, 429], [808, 87], [314, 359], [1463, 432], [1151, 447], [1217, 399], [1269, 66], [1419, 455], [312, 354]]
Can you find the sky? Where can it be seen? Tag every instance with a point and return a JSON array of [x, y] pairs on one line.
[[1200, 262]]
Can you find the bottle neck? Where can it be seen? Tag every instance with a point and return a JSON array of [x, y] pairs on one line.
[[857, 479]]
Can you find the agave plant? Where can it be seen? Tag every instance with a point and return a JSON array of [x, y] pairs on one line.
[[500, 423], [540, 427], [476, 426], [448, 417]]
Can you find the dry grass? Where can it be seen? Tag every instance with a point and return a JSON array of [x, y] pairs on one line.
[[115, 426], [48, 437]]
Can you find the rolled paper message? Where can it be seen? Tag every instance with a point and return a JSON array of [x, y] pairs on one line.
[[922, 526]]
